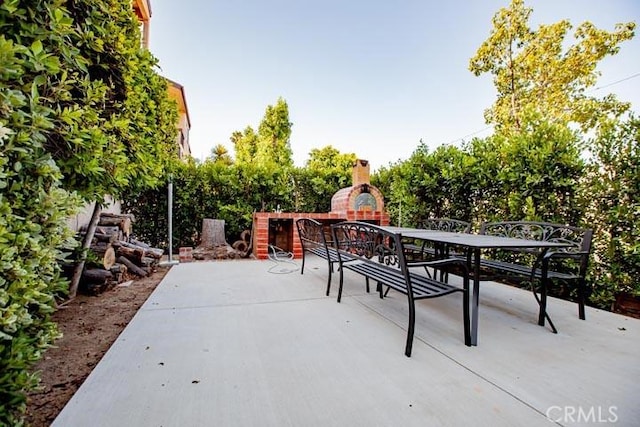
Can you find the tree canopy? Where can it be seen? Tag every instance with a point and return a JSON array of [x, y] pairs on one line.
[[270, 145], [540, 71]]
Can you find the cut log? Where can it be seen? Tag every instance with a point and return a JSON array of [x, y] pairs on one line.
[[148, 261], [96, 276], [105, 254], [240, 245], [212, 233], [154, 252], [129, 216], [132, 267], [100, 246], [108, 238], [111, 230], [107, 229], [139, 243], [146, 251], [123, 221], [109, 221], [118, 268], [118, 271], [133, 254]]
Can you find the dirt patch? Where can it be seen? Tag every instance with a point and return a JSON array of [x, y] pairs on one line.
[[90, 324]]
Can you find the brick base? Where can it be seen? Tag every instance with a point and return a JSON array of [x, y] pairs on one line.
[[261, 226]]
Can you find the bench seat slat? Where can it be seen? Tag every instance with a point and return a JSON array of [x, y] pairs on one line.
[[523, 270], [423, 287]]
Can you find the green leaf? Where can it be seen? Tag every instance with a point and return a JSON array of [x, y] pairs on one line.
[[36, 47]]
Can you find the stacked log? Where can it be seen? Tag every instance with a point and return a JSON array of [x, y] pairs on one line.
[[243, 246], [115, 256]]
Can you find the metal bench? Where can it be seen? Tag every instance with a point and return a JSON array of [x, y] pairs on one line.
[[568, 264], [314, 240], [380, 255]]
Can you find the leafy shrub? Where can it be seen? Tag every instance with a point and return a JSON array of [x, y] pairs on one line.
[[33, 233], [610, 191], [83, 113]]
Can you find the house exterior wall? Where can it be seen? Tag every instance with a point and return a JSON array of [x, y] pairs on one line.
[[176, 92], [83, 218], [142, 8]]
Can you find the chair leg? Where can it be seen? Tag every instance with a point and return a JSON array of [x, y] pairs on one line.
[[329, 278], [340, 287], [581, 299], [543, 307], [410, 329], [466, 318], [543, 302]]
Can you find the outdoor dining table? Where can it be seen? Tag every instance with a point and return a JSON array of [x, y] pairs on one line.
[[472, 246]]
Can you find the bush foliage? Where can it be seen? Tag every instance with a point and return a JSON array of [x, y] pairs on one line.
[[83, 114], [231, 193], [544, 173]]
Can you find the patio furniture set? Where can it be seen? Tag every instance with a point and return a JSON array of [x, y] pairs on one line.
[[417, 261]]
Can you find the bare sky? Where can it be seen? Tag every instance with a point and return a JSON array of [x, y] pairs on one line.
[[369, 77]]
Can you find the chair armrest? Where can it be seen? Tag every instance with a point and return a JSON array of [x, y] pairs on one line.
[[439, 262], [567, 255], [582, 257]]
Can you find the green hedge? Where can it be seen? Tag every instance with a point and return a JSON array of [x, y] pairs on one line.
[[83, 114], [547, 172], [228, 192]]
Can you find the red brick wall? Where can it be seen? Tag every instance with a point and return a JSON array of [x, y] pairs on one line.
[[261, 226], [261, 229]]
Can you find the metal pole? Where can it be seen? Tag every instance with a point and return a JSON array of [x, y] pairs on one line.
[[170, 221]]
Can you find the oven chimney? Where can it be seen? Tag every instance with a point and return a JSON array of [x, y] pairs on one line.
[[360, 174]]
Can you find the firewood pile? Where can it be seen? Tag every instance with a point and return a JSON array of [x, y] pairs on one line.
[[116, 257]]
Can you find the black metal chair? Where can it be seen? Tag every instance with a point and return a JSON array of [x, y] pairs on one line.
[[313, 239], [567, 264]]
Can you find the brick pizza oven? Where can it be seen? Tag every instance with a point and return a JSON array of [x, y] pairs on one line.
[[359, 202]]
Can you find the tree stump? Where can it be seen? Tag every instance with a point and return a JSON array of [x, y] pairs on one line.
[[213, 233]]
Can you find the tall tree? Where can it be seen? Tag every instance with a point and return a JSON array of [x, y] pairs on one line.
[[273, 136], [330, 159], [540, 70], [270, 145], [245, 144], [220, 154]]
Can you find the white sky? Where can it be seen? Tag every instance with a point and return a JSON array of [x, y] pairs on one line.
[[370, 77]]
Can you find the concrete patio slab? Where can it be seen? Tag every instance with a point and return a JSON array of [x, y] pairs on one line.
[[254, 343]]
